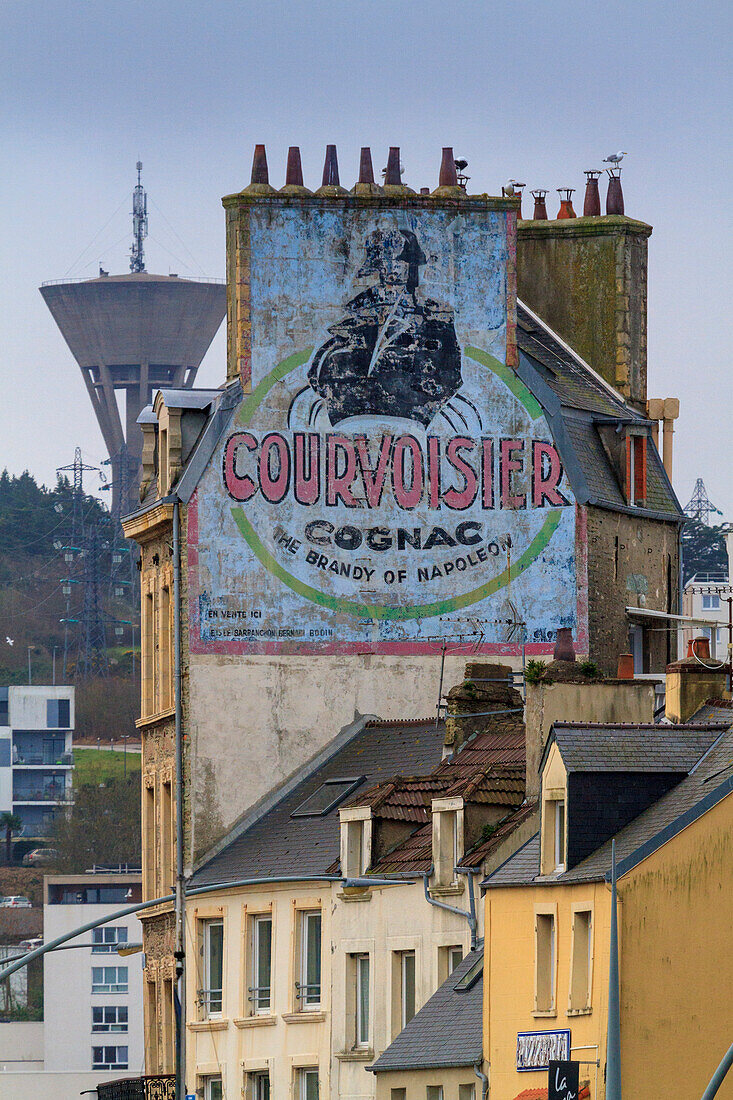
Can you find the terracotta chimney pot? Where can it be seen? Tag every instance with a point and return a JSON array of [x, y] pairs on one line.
[[625, 666]]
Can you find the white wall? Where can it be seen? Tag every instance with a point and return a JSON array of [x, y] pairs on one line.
[[27, 705], [51, 1086], [21, 1048], [68, 997]]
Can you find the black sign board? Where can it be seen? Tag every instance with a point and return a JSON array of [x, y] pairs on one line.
[[564, 1081]]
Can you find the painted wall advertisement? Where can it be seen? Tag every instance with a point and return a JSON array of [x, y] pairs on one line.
[[389, 481]]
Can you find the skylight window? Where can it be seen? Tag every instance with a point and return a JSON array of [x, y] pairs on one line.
[[329, 795], [471, 976]]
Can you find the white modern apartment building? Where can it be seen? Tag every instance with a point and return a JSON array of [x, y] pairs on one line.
[[36, 731], [705, 597], [105, 1029]]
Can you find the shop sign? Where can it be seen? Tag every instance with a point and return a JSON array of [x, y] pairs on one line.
[[563, 1081], [536, 1049]]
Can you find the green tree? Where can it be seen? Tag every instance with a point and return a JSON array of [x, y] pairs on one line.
[[703, 549], [11, 823], [102, 826]]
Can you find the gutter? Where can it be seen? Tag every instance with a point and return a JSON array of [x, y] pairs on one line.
[[483, 1079], [180, 950], [470, 916]]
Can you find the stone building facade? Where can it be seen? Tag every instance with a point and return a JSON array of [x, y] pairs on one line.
[[399, 445]]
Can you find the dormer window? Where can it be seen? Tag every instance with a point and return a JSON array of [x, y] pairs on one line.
[[635, 468], [447, 838], [559, 834], [554, 842], [356, 841]]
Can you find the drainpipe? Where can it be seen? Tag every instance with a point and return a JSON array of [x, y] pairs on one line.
[[180, 949], [470, 916], [719, 1076], [483, 1079], [613, 1039]]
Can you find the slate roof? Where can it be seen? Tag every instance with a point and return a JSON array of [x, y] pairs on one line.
[[631, 748], [278, 844], [585, 400], [709, 781], [447, 1031]]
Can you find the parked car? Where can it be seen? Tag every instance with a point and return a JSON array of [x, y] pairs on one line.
[[15, 901], [40, 857]]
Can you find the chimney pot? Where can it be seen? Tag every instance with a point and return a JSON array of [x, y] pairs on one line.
[[392, 176], [592, 203], [566, 202], [699, 648], [625, 666], [424, 190], [614, 196], [448, 173], [330, 168], [540, 206], [366, 171], [259, 166], [564, 649], [294, 170]]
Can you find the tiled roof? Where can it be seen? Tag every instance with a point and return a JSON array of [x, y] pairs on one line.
[[632, 748], [476, 855], [447, 1031], [708, 782], [279, 844], [541, 1094]]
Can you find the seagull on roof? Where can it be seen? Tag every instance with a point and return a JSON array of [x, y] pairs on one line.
[[615, 159]]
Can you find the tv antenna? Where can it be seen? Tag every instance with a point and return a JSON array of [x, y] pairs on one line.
[[139, 224]]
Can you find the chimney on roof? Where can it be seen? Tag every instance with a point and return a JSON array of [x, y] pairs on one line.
[[393, 176], [294, 170], [614, 195], [486, 697], [448, 173], [693, 681], [566, 202], [587, 279], [592, 203], [259, 166], [540, 206], [330, 168], [366, 171]]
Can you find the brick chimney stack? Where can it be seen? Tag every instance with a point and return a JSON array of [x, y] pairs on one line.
[[587, 279], [693, 681], [486, 689]]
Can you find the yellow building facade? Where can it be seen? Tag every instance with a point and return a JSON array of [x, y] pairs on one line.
[[546, 954]]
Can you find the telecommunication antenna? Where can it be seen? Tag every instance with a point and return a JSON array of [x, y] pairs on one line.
[[139, 224], [699, 506]]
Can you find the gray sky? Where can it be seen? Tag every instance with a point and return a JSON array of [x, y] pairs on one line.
[[538, 91]]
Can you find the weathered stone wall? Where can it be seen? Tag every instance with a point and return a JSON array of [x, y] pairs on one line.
[[587, 279], [630, 557]]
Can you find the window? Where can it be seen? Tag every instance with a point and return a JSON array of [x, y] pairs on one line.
[[167, 1024], [407, 986], [58, 713], [472, 975], [152, 1060], [355, 849], [467, 1092], [307, 1084], [109, 979], [308, 987], [261, 961], [259, 1086], [398, 1094], [109, 1058], [448, 959], [362, 1000], [545, 962], [149, 833], [636, 469], [4, 707], [580, 969], [447, 840], [106, 940], [329, 795], [434, 1092], [559, 834], [109, 1018], [210, 997], [711, 603], [212, 1088], [166, 842]]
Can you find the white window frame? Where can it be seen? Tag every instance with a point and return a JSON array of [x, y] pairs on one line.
[[255, 994], [559, 841], [107, 939], [111, 1063], [214, 1079], [207, 990], [259, 1085], [713, 602], [452, 951], [113, 1024], [116, 984], [309, 1001], [302, 1081], [362, 964], [404, 956]]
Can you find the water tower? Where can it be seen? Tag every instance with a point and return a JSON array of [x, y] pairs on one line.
[[134, 333]]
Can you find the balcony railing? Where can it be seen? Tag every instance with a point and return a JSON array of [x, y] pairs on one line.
[[44, 759], [157, 1086], [60, 794]]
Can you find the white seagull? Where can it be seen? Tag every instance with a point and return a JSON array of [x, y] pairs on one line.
[[10, 641], [615, 159]]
